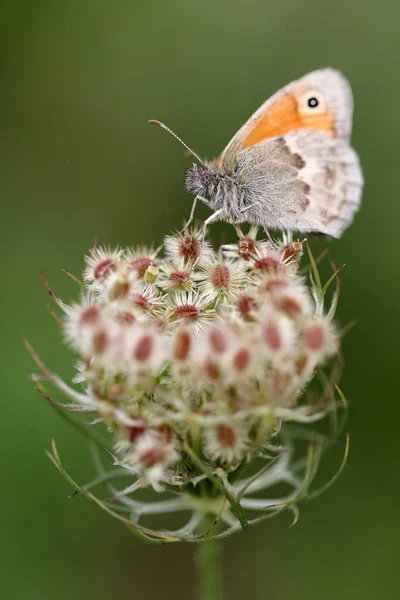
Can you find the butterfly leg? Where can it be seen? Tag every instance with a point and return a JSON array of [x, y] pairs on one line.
[[267, 233], [211, 219], [191, 216], [214, 217]]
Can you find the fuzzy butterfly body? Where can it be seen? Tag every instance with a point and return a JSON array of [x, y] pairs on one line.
[[290, 166]]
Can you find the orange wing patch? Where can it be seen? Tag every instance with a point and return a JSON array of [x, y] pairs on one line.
[[291, 113]]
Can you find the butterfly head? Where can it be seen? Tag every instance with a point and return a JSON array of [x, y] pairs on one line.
[[202, 180]]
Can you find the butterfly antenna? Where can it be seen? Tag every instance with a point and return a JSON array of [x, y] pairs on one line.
[[154, 122]]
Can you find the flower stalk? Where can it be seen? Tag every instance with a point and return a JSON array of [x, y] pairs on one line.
[[209, 566]]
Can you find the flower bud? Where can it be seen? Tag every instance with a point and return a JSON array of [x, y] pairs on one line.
[[151, 274]]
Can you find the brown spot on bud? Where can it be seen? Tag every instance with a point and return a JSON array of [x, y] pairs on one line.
[[272, 335], [152, 457], [291, 252], [220, 277], [135, 432], [267, 264], [104, 268], [226, 436], [90, 315], [127, 317], [166, 432], [246, 305], [246, 247], [178, 279], [273, 285], [212, 370], [290, 306], [186, 311], [143, 348], [241, 360], [100, 341], [140, 301], [140, 264], [189, 247], [182, 344], [218, 340], [120, 289], [315, 337]]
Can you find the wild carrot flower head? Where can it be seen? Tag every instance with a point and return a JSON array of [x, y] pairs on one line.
[[196, 362]]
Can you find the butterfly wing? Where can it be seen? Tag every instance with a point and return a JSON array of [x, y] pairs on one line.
[[294, 159], [288, 110], [305, 181]]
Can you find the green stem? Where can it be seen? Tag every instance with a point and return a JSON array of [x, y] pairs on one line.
[[209, 564], [236, 507]]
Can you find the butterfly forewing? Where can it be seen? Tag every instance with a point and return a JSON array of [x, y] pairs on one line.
[[294, 156], [288, 110]]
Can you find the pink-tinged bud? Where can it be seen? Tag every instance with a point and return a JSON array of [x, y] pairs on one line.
[[220, 276], [179, 279], [272, 335], [166, 432], [103, 268], [189, 247], [290, 305], [241, 360], [143, 348], [225, 436], [182, 344], [186, 311], [246, 247], [100, 341], [315, 337], [151, 457], [218, 340], [212, 370], [128, 318], [246, 305], [275, 285], [320, 338], [136, 432], [140, 264], [119, 289], [140, 301], [292, 252], [267, 264], [89, 316]]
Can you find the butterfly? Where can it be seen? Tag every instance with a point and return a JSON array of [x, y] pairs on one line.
[[290, 166]]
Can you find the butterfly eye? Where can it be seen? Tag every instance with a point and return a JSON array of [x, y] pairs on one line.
[[312, 102], [205, 178]]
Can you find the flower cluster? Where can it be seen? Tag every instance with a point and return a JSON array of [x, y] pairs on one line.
[[194, 358]]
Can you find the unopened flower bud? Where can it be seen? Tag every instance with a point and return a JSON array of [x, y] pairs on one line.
[[241, 360], [143, 348], [151, 274], [182, 344], [218, 339]]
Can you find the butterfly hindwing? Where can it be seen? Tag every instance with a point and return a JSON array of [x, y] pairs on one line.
[[304, 181]]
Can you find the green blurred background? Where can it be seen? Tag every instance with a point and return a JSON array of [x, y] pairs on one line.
[[79, 80]]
